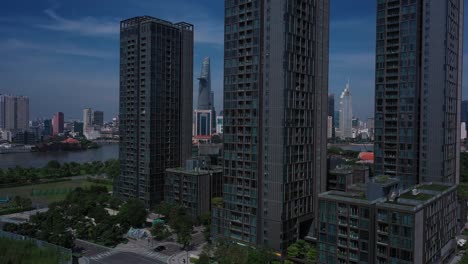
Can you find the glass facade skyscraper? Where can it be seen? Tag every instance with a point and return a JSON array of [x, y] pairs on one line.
[[156, 91], [275, 120], [418, 90], [203, 125], [346, 114]]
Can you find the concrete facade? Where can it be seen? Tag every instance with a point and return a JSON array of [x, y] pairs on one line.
[[416, 226], [418, 90], [156, 91], [275, 120]]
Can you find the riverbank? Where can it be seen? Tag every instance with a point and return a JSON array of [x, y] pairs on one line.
[[368, 147], [40, 159]]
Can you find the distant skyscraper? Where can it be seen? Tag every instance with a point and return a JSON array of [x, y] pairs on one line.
[[203, 124], [87, 119], [57, 123], [78, 127], [22, 113], [205, 95], [14, 112], [418, 84], [156, 98], [98, 118], [219, 124], [275, 112], [204, 90], [346, 114], [370, 127], [331, 112], [48, 128]]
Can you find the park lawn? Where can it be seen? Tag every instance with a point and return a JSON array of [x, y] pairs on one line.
[[13, 251], [44, 194]]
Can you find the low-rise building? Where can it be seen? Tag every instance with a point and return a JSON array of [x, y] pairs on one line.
[[193, 186], [24, 138], [383, 225], [342, 177]]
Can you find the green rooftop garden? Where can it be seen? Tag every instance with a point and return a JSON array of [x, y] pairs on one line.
[[434, 187], [382, 179], [420, 196]]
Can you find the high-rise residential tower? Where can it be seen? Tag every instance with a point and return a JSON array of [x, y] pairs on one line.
[[98, 118], [418, 90], [331, 112], [346, 114], [156, 91], [275, 120], [14, 112], [57, 123], [87, 119]]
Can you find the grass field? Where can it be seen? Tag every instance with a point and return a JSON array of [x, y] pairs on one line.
[[43, 194]]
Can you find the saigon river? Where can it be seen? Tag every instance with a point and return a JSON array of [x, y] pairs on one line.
[[40, 159]]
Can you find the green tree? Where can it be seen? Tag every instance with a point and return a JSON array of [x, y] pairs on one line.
[[183, 227], [132, 213], [115, 203], [165, 209], [53, 164], [260, 256], [228, 253], [293, 251], [160, 231]]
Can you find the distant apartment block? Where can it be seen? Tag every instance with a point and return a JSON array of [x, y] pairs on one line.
[[57, 123], [48, 128], [193, 186], [14, 112], [98, 118], [156, 91]]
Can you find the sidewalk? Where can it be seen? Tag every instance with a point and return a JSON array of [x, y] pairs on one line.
[[184, 257]]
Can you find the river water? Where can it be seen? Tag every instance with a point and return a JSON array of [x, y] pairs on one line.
[[355, 147], [40, 159]]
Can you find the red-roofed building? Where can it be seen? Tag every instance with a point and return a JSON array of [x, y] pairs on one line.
[[70, 141], [366, 157]]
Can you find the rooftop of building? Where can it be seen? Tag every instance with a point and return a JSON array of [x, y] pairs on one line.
[[384, 180], [366, 156], [346, 169], [411, 200], [139, 19], [417, 197], [350, 196]]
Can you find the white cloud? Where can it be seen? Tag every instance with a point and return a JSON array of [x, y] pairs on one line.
[[85, 26], [13, 44]]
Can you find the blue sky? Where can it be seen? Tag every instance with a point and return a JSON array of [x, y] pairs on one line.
[[64, 54]]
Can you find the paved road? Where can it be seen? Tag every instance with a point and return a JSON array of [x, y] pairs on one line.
[[97, 254], [140, 251], [124, 258]]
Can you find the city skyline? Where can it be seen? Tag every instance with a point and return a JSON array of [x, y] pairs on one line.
[[69, 51]]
